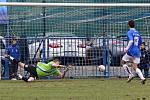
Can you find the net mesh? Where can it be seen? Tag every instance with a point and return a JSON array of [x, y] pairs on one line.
[[103, 27], [76, 20]]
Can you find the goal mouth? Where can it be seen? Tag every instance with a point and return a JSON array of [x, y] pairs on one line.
[[96, 30]]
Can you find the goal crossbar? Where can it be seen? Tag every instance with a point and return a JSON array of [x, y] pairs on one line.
[[75, 4]]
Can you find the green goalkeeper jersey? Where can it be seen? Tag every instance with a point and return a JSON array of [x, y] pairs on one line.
[[44, 69]]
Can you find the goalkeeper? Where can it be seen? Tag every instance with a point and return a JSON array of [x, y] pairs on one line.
[[41, 69]]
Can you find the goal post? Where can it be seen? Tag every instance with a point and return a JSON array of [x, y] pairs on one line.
[[87, 34]]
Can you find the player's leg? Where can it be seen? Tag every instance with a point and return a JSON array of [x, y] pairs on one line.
[[29, 68], [21, 65], [31, 79], [11, 75], [26, 79], [15, 71], [135, 63], [32, 70], [140, 67], [124, 63], [146, 70], [23, 78]]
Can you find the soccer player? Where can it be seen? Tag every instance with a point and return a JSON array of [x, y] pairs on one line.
[[133, 53], [14, 51], [41, 69]]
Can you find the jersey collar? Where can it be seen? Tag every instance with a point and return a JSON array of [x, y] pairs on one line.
[[132, 28]]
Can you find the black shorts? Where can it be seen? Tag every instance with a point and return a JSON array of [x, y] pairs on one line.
[[32, 70]]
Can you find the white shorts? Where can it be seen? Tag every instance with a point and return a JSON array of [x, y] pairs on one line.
[[126, 57]]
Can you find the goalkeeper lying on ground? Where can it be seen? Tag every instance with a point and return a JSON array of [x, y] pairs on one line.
[[41, 69]]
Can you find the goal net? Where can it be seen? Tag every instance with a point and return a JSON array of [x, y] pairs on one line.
[[83, 34]]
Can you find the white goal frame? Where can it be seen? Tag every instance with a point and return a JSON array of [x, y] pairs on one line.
[[75, 4]]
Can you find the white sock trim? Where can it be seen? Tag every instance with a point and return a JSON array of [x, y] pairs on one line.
[[127, 69]]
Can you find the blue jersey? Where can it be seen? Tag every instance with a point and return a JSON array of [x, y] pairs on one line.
[[134, 49], [14, 51]]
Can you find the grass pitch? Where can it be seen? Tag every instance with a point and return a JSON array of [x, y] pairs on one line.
[[75, 89]]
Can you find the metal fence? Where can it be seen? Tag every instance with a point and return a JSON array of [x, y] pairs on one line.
[[85, 54]]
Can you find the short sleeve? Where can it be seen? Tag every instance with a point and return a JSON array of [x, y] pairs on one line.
[[130, 36]]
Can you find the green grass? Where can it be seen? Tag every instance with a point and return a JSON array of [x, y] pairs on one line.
[[78, 89]]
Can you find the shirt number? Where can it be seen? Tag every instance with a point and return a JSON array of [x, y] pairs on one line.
[[136, 41]]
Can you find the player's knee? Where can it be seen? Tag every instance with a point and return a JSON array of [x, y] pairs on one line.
[[31, 79], [26, 67], [134, 65]]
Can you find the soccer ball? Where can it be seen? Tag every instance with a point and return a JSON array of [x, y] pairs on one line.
[[101, 68]]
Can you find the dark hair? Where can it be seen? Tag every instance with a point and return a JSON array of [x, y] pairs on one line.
[[143, 43], [131, 23], [55, 60], [14, 38]]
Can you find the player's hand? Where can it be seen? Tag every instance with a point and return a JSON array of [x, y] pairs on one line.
[[6, 56], [61, 66], [125, 50]]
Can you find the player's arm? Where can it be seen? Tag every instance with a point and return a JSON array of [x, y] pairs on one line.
[[129, 44], [130, 37], [7, 51], [57, 65]]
